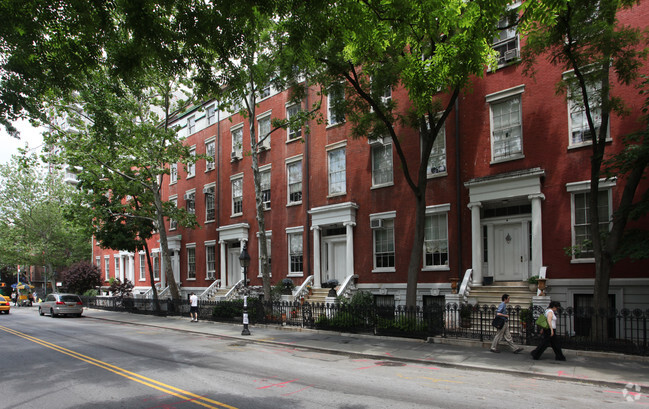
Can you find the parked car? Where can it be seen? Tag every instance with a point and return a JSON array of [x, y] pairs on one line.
[[61, 304], [5, 305]]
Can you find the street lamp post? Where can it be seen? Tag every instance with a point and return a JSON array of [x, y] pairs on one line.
[[244, 259]]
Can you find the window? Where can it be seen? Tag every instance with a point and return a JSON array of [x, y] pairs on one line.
[[191, 125], [142, 267], [383, 236], [436, 241], [268, 250], [173, 173], [381, 164], [265, 186], [191, 166], [237, 196], [506, 124], [211, 114], [210, 213], [173, 224], [506, 42], [156, 266], [210, 151], [335, 100], [116, 266], [210, 261], [337, 171], [579, 130], [237, 142], [293, 132], [263, 125], [581, 227], [107, 267], [295, 253], [191, 263], [294, 170], [190, 202], [265, 92], [437, 159], [98, 263]]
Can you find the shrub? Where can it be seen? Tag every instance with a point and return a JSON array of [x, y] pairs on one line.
[[81, 277]]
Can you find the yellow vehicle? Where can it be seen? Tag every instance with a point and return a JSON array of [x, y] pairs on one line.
[[5, 298]]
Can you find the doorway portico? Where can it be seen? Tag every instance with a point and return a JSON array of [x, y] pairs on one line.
[[232, 239]]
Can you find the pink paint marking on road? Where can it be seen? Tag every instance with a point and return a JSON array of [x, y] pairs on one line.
[[279, 385], [299, 390], [367, 367], [562, 373], [388, 354]]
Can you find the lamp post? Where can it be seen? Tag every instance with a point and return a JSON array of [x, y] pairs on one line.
[[244, 259]]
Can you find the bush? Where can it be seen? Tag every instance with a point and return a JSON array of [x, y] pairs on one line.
[[533, 280], [81, 277], [119, 289]]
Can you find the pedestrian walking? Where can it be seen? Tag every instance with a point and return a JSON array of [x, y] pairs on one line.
[[35, 296], [193, 307], [14, 298], [503, 332], [550, 338]]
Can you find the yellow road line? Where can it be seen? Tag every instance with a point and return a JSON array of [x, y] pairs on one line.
[[152, 383]]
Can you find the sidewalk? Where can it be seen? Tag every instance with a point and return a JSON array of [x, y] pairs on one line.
[[615, 370]]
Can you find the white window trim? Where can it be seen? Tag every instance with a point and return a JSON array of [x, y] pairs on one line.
[[501, 96], [191, 166], [289, 232], [238, 152], [213, 187], [290, 161], [385, 142], [187, 247], [436, 210], [391, 215], [107, 267], [288, 128], [173, 173], [209, 165], [263, 169], [206, 244], [329, 148], [140, 254], [329, 123], [260, 117], [429, 174], [232, 179], [584, 187]]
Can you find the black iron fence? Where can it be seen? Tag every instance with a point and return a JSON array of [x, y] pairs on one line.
[[618, 331]]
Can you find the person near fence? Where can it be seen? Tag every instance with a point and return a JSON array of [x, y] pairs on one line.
[[193, 307], [550, 338], [503, 332]]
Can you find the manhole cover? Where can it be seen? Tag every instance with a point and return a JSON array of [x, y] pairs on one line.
[[390, 363]]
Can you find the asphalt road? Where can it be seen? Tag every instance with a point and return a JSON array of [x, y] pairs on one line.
[[87, 363]]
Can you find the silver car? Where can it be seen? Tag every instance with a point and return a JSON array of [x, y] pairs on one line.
[[61, 304]]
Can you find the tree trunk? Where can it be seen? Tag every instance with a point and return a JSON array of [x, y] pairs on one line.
[[164, 247], [417, 250], [156, 301]]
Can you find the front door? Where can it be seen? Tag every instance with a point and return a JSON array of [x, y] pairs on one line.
[[234, 267], [510, 252], [335, 259]]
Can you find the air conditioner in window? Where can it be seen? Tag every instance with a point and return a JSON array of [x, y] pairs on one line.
[[376, 223], [188, 196], [267, 205], [377, 141], [207, 190], [511, 54], [234, 155]]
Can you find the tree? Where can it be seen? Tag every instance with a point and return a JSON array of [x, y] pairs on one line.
[[33, 206], [108, 115], [431, 48], [587, 38], [81, 277]]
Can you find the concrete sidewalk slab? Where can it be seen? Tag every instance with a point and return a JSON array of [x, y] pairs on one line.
[[616, 370]]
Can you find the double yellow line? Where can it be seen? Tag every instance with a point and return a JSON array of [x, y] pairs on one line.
[[171, 390]]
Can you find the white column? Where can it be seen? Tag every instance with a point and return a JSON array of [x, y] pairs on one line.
[[131, 267], [121, 268], [537, 233], [241, 246], [476, 244], [317, 273], [223, 273], [350, 247]]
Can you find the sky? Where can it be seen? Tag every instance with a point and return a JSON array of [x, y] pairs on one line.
[[28, 135]]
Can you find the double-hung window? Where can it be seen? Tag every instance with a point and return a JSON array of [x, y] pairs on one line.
[[237, 194], [210, 212], [580, 133], [98, 263], [211, 114], [191, 166], [335, 102], [116, 266], [210, 152], [294, 179], [191, 261], [293, 131], [295, 252], [156, 266], [382, 225], [210, 260], [107, 267], [506, 124], [142, 267], [337, 170], [173, 173], [190, 201], [264, 174], [237, 142], [436, 237], [582, 243], [191, 125], [173, 224], [381, 164], [437, 158], [506, 42], [263, 130]]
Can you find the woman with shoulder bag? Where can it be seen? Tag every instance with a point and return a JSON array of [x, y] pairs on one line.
[[550, 338]]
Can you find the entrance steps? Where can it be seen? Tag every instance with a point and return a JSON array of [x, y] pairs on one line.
[[318, 296], [519, 293]]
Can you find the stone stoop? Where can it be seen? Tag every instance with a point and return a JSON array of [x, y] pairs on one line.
[[519, 293], [318, 296]]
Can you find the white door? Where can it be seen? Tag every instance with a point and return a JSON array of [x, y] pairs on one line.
[[235, 273], [510, 252], [335, 256]]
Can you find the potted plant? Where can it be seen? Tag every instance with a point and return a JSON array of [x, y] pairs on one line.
[[287, 286], [309, 289], [331, 285], [533, 282], [524, 316]]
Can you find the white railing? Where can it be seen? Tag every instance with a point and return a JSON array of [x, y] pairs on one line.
[[465, 287], [346, 288], [302, 290], [163, 292], [210, 291], [234, 291]]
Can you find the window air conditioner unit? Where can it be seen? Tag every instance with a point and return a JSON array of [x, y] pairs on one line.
[[377, 141], [267, 205], [234, 155], [188, 196], [376, 223], [207, 190], [262, 147], [511, 55]]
